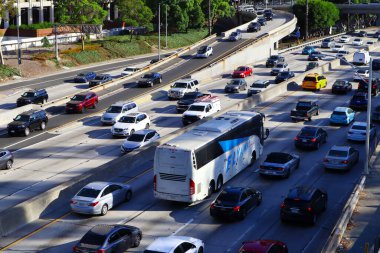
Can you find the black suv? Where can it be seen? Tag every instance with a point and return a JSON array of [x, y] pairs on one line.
[[28, 121], [303, 203], [33, 97]]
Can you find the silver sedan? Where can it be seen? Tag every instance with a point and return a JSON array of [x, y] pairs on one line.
[[99, 197], [6, 159], [341, 158]]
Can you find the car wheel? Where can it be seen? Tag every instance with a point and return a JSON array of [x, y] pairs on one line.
[[27, 131], [309, 119], [9, 165], [128, 196], [317, 113], [160, 81], [44, 101], [43, 125], [104, 210], [219, 183], [147, 126], [211, 189], [200, 250], [132, 131], [253, 158], [83, 109], [137, 241]]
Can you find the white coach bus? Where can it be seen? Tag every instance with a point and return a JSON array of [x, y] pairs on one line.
[[195, 164]]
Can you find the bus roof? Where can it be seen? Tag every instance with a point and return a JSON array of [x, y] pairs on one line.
[[208, 131]]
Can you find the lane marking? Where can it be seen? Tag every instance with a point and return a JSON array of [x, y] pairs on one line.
[[183, 226]]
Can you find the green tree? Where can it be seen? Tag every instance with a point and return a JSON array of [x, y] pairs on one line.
[[322, 14], [219, 9], [80, 12], [135, 13], [196, 15]]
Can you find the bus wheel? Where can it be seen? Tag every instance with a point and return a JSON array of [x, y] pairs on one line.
[[211, 188], [253, 158], [219, 183]]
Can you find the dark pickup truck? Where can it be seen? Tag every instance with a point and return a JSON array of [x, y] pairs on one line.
[[305, 109]]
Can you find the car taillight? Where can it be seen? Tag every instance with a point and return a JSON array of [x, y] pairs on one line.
[[344, 162], [283, 205], [192, 187], [296, 138], [101, 251], [75, 249], [155, 182], [309, 209], [314, 140], [325, 159], [212, 206], [279, 168], [93, 204], [236, 209], [72, 202]]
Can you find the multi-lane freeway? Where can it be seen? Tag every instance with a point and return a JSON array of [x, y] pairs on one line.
[[73, 146]]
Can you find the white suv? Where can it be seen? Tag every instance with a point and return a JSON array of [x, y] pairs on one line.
[[181, 87], [117, 110], [130, 123], [173, 244]]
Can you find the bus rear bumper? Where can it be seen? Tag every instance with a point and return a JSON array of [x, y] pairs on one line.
[[174, 197]]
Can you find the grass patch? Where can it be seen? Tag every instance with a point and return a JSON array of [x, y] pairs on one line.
[[8, 71], [124, 49], [88, 56]]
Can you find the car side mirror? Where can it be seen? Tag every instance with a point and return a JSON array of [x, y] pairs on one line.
[[266, 134]]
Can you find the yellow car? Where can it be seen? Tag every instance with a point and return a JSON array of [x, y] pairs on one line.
[[314, 82]]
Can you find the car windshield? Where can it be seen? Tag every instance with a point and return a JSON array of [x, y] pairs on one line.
[[342, 52], [78, 98], [284, 74], [362, 71], [337, 153], [136, 137], [339, 83], [310, 79], [198, 108], [258, 85], [127, 119], [28, 94], [277, 158], [93, 238], [240, 69], [359, 127], [308, 48], [233, 34], [114, 109], [180, 85], [234, 82], [82, 74], [202, 49], [338, 46], [357, 39], [303, 106], [88, 193], [307, 132], [280, 65], [229, 197], [129, 69], [189, 96], [151, 75], [23, 118], [274, 57], [99, 78], [339, 113]]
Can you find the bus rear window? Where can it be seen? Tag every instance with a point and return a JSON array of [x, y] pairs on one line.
[[172, 157]]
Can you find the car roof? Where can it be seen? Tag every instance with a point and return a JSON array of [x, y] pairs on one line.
[[259, 246], [85, 93], [166, 244], [98, 185], [301, 192], [121, 103], [144, 131], [185, 80], [30, 112], [307, 101], [340, 109], [340, 148], [135, 114], [234, 189], [261, 81], [105, 229], [312, 75], [310, 128]]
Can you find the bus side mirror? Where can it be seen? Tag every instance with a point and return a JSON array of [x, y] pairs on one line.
[[266, 134]]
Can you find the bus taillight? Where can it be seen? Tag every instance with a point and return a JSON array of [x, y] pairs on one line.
[[155, 182], [192, 187]]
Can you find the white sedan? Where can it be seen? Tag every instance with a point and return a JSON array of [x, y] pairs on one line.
[[204, 52], [357, 42], [129, 71], [344, 39], [174, 244], [358, 131], [130, 123], [361, 74], [338, 48]]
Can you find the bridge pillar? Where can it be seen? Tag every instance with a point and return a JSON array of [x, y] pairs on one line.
[[275, 45], [378, 19]]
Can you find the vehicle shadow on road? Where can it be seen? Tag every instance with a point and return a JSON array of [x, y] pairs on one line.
[[91, 121], [168, 121], [101, 134], [82, 86], [218, 91], [7, 106], [170, 109]]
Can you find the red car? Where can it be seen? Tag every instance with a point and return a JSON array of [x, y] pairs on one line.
[[264, 246], [82, 101], [242, 72]]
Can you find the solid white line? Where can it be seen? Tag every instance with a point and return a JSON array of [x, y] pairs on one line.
[[185, 225], [23, 141]]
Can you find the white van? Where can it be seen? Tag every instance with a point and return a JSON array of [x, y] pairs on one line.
[[201, 109], [361, 57]]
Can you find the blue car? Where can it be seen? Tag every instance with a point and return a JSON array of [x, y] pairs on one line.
[[342, 116], [84, 77], [359, 101], [308, 50]]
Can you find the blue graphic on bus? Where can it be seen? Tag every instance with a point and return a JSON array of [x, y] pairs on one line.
[[235, 154]]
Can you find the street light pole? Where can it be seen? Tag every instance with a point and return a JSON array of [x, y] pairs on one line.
[[159, 31], [166, 26], [368, 128], [209, 17], [18, 33], [307, 20]]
